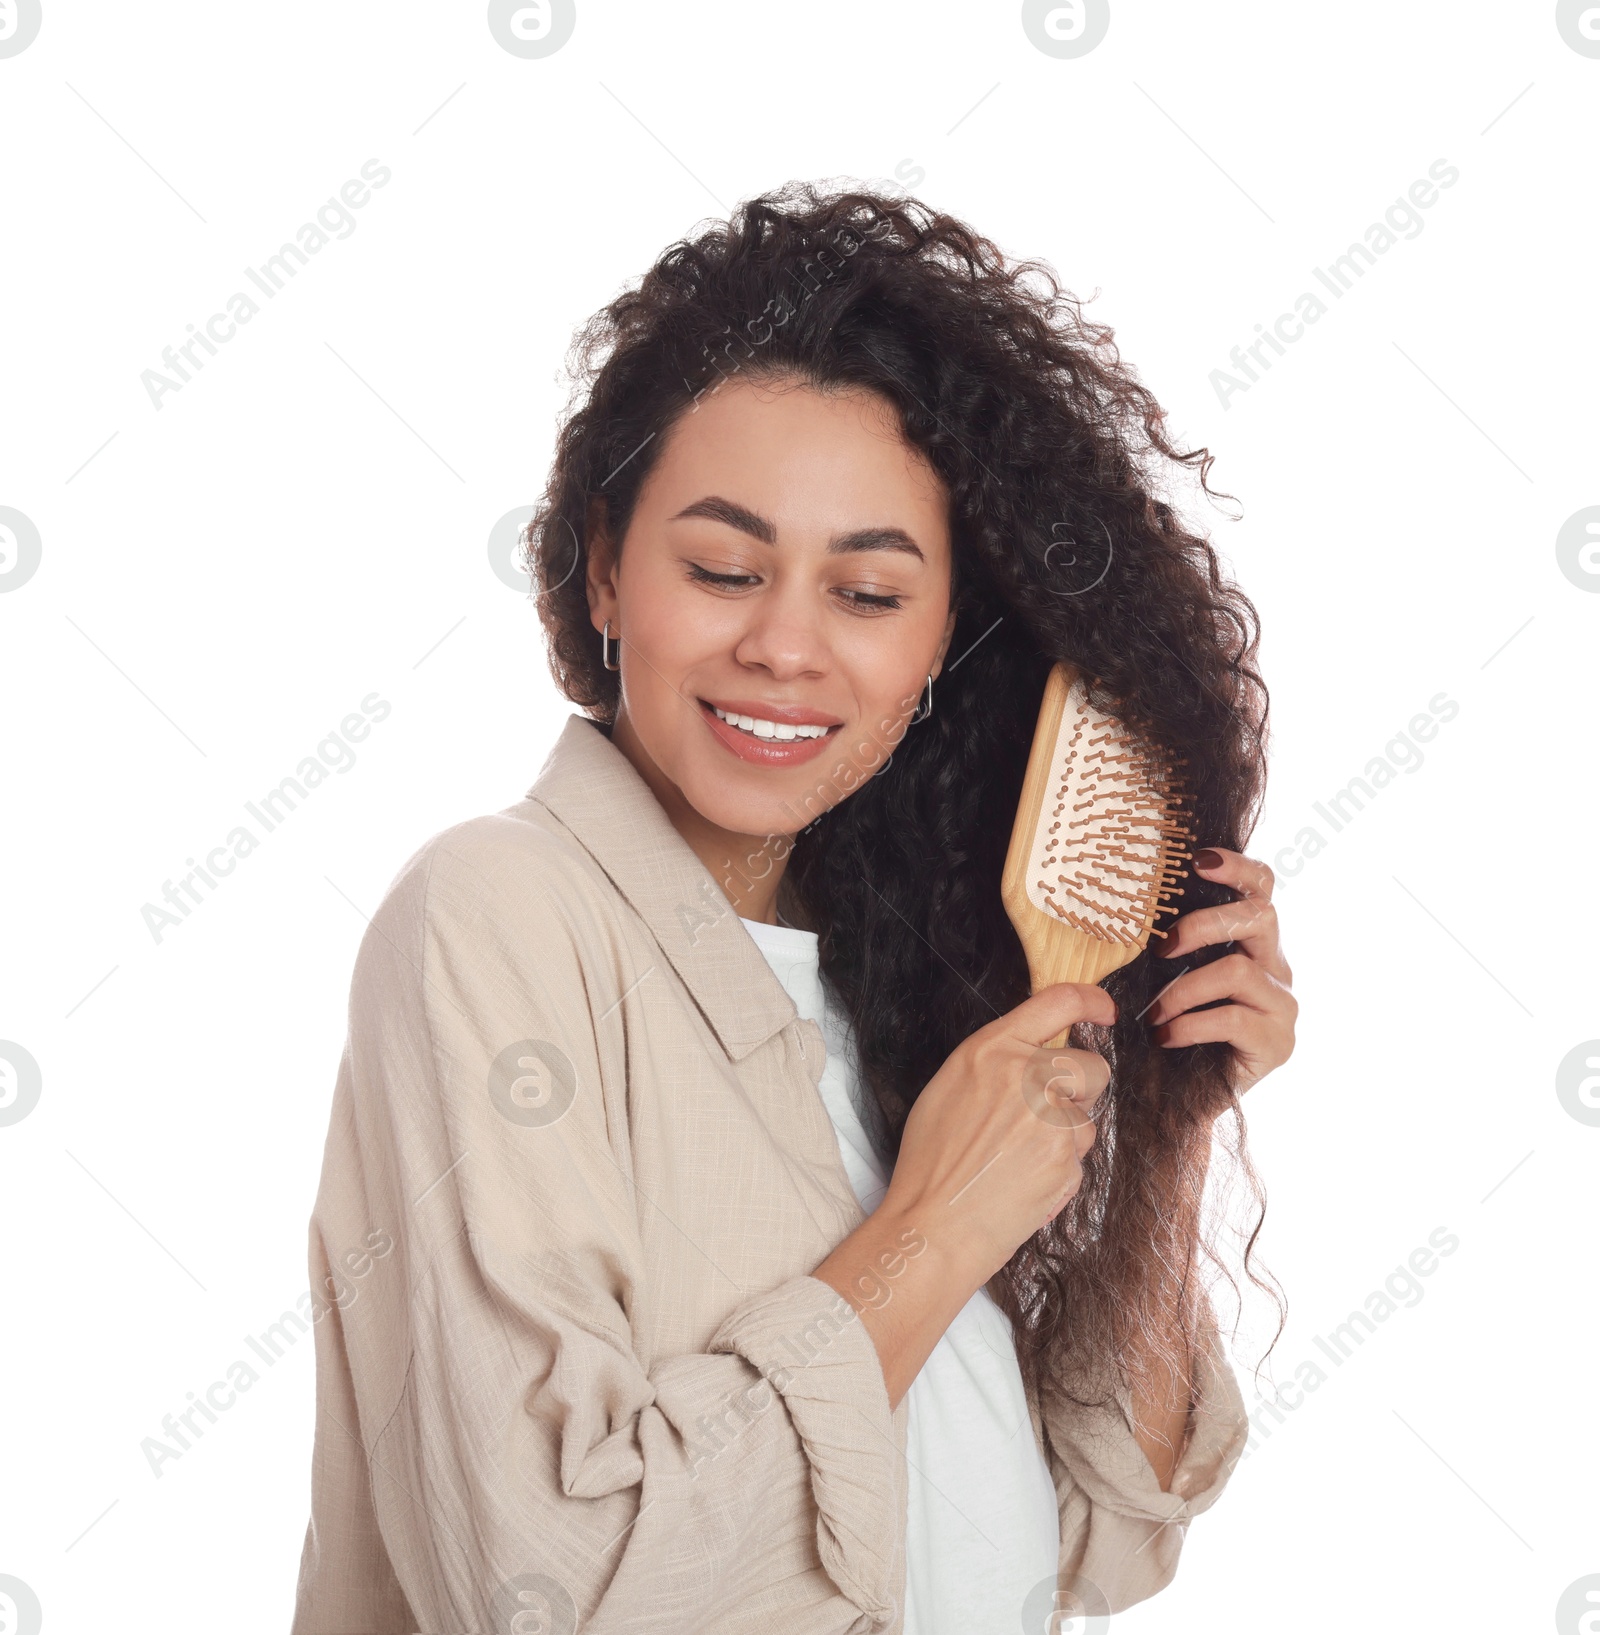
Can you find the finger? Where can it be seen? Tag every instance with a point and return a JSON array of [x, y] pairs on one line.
[[1053, 1009], [1080, 1075], [1068, 1193], [1247, 875], [1227, 1024], [1064, 1086], [1235, 976], [1255, 1039], [1251, 922]]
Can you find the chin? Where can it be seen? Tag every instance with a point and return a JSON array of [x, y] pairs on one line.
[[760, 802]]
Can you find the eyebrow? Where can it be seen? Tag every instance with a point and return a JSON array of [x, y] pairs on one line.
[[716, 509]]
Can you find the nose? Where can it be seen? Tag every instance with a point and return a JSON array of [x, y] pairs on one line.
[[784, 633]]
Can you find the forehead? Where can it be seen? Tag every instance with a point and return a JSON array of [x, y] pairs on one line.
[[802, 457]]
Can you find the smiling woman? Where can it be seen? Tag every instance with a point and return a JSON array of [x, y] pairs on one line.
[[748, 1273]]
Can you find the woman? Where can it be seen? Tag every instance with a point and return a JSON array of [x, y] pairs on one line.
[[730, 1281]]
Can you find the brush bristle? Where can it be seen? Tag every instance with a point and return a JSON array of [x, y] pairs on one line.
[[1109, 842]]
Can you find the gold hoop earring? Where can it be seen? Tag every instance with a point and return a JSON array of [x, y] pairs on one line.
[[606, 640]]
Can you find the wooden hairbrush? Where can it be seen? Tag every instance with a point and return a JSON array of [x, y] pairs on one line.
[[1098, 844]]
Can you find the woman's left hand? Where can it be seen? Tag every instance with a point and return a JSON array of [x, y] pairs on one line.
[[1259, 1023]]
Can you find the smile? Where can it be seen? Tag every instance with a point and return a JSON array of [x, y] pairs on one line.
[[758, 728], [765, 740]]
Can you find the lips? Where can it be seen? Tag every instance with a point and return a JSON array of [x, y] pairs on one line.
[[773, 751]]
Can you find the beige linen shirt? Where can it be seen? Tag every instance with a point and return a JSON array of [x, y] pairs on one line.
[[573, 1371]]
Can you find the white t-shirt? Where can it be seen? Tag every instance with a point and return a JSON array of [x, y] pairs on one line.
[[982, 1529]]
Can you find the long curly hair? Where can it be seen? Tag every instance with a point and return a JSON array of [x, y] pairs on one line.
[[1054, 456]]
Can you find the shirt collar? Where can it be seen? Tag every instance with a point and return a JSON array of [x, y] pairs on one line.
[[593, 789]]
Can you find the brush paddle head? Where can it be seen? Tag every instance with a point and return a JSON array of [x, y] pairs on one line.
[[1099, 842]]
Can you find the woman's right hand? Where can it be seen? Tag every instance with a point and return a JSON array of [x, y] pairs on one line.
[[993, 1148]]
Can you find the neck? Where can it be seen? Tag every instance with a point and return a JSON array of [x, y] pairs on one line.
[[749, 868]]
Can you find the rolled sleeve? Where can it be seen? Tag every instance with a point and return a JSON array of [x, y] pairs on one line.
[[809, 1342], [1121, 1532]]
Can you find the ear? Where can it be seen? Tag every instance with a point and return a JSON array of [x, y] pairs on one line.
[[944, 643], [600, 568]]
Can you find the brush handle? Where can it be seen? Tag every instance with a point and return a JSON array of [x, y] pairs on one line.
[[1072, 958]]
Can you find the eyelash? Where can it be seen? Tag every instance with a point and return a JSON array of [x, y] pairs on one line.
[[734, 581]]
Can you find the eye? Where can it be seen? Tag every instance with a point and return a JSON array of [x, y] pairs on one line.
[[726, 581], [871, 603], [861, 601]]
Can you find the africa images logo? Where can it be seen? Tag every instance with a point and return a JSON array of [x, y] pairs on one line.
[[333, 220], [19, 27]]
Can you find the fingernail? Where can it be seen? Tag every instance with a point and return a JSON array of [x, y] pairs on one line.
[[1208, 859]]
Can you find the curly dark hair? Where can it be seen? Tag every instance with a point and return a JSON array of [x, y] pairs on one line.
[[1052, 452]]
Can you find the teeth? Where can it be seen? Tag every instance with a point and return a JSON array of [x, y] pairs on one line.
[[768, 729]]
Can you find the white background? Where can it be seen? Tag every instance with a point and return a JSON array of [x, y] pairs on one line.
[[306, 522]]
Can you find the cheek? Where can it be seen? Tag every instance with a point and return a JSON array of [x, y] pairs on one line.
[[887, 668], [669, 634], [890, 665], [659, 621]]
